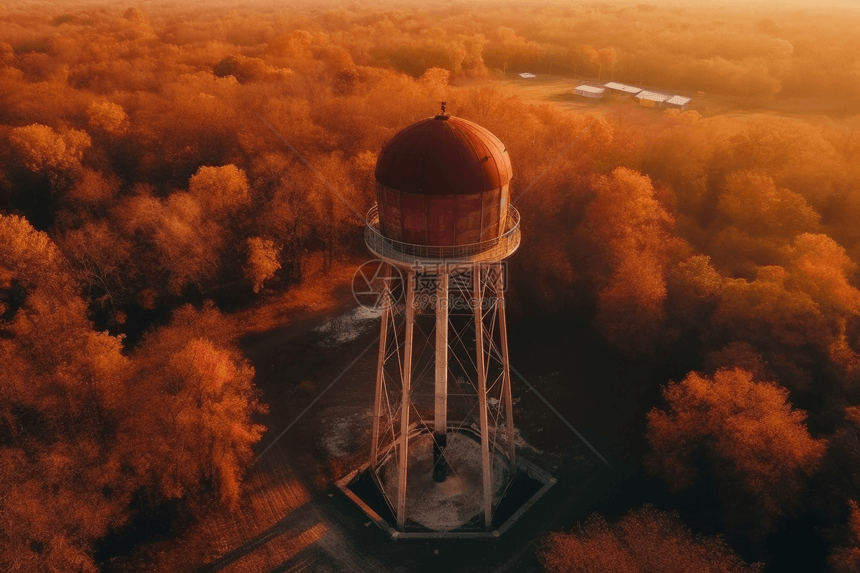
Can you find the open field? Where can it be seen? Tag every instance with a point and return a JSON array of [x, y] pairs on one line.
[[558, 90]]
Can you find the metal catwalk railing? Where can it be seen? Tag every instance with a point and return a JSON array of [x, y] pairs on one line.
[[494, 249]]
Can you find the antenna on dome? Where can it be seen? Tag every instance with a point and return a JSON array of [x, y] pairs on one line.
[[442, 114]]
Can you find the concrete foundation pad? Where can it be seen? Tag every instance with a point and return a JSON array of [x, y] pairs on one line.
[[453, 508]]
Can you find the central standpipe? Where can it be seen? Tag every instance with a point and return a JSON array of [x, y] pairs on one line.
[[440, 426]]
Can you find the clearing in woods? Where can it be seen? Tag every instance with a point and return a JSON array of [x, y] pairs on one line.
[[558, 90]]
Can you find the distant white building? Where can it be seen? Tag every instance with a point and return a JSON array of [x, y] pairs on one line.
[[651, 99], [678, 102], [622, 89], [527, 75], [589, 91]]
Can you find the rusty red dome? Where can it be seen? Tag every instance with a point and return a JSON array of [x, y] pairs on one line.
[[443, 181], [444, 155]]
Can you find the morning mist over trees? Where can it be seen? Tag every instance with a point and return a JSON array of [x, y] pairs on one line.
[[173, 273]]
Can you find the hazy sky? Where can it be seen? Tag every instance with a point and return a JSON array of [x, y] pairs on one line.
[[776, 6], [757, 5]]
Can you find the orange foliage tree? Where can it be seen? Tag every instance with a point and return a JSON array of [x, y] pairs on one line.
[[61, 398], [84, 428], [195, 396], [108, 117], [643, 541], [262, 262], [629, 231], [43, 151], [847, 559], [747, 434], [795, 315]]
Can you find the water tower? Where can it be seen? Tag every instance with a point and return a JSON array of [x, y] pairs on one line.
[[443, 459]]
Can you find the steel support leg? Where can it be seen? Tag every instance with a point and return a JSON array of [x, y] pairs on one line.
[[406, 401], [380, 374], [506, 367]]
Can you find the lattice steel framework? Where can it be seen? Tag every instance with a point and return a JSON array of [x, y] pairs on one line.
[[443, 368]]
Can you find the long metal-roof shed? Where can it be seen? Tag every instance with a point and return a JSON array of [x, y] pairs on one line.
[[678, 100], [623, 88], [589, 91], [653, 96]]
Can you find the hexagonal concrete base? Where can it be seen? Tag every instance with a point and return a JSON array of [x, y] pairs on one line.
[[452, 508]]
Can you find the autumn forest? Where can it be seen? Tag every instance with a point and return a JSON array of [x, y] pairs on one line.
[[145, 204]]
